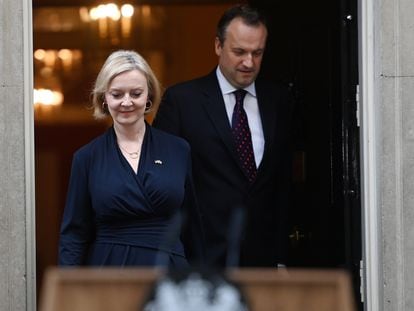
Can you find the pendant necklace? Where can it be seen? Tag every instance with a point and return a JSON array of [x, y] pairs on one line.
[[135, 154], [132, 155]]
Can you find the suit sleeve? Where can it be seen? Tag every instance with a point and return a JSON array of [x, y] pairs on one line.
[[193, 231], [168, 114], [77, 225]]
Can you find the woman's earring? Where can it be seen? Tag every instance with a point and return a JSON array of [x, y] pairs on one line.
[[104, 107], [148, 105]]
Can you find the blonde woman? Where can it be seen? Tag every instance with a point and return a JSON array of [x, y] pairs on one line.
[[130, 200]]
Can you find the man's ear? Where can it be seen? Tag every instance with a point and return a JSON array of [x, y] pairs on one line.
[[217, 46]]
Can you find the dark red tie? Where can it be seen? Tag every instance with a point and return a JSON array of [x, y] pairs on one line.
[[243, 137]]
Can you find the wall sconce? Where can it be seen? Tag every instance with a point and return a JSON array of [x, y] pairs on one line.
[[54, 59], [46, 102], [127, 11], [108, 16], [46, 97]]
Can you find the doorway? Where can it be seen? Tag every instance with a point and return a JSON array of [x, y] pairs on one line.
[[312, 47]]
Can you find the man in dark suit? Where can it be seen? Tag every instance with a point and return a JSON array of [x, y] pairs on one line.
[[203, 112]]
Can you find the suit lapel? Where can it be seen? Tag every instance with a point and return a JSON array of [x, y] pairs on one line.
[[215, 108]]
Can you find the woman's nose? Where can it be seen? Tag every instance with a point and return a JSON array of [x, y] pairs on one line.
[[126, 101]]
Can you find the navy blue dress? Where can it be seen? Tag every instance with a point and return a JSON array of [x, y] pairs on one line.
[[116, 217]]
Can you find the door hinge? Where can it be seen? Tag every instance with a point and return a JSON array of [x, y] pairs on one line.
[[357, 112], [362, 277]]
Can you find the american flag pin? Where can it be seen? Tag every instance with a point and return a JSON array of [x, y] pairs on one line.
[[158, 162]]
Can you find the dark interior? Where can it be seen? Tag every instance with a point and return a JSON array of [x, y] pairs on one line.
[[313, 47]]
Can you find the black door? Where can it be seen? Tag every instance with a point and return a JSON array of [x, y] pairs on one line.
[[313, 47]]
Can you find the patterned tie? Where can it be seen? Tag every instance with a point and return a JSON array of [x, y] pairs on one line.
[[243, 137]]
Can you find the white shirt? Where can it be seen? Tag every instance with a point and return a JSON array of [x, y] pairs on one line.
[[252, 110]]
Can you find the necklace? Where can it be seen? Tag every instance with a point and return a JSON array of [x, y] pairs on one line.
[[132, 155]]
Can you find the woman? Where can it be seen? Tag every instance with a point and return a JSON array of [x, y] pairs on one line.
[[130, 187]]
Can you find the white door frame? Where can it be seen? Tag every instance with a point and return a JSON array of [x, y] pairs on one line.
[[29, 145], [369, 170]]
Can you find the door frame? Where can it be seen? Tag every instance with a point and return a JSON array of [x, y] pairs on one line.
[[369, 169], [29, 158]]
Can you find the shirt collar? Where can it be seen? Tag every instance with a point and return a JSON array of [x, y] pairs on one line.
[[227, 88]]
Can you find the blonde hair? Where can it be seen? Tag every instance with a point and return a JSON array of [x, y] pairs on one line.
[[118, 62]]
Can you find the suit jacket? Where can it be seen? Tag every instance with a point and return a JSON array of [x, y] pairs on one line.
[[195, 110]]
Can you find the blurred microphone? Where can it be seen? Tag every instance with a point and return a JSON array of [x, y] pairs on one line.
[[235, 232], [202, 287]]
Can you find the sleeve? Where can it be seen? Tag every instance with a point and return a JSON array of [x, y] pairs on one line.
[[193, 232], [77, 227], [167, 117]]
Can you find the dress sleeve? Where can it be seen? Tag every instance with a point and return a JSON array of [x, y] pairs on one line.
[[193, 231], [77, 227]]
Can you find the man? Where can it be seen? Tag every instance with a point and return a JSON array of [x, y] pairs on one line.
[[228, 185]]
